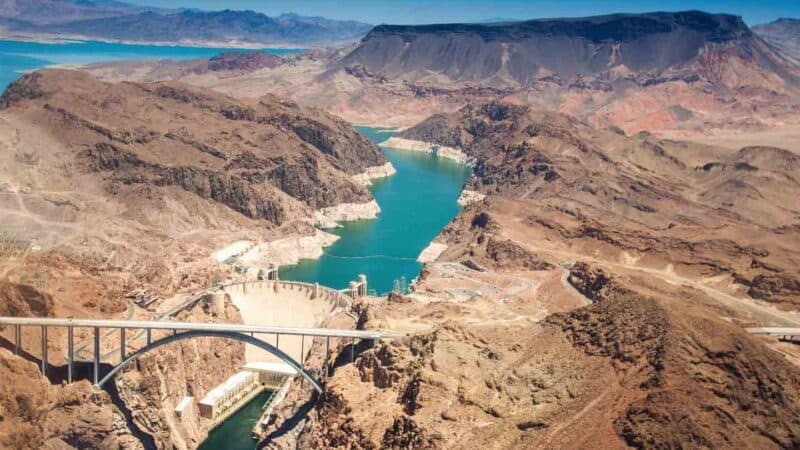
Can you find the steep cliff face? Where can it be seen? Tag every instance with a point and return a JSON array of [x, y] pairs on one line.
[[524, 52]]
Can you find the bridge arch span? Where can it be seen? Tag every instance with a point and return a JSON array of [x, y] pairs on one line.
[[247, 339]]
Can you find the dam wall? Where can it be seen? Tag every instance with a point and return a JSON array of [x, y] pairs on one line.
[[285, 304]]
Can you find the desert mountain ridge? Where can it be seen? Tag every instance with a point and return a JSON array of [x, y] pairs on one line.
[[60, 11], [651, 190], [520, 53], [110, 20], [784, 34], [684, 73]]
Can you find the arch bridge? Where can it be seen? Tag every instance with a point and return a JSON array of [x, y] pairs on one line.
[[169, 332]]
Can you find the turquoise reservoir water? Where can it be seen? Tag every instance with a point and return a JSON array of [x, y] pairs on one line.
[[234, 433], [18, 56], [416, 203]]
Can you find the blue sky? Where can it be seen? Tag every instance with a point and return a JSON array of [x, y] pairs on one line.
[[433, 11]]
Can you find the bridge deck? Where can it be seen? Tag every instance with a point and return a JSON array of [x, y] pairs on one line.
[[196, 326]]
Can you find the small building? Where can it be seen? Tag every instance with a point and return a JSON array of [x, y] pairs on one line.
[[184, 407]]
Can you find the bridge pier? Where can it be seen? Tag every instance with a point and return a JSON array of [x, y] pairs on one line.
[[17, 339], [122, 344], [327, 356], [44, 350], [70, 353], [96, 355]]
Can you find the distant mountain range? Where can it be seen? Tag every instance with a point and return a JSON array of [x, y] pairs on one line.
[[784, 34], [106, 19], [519, 53], [41, 12]]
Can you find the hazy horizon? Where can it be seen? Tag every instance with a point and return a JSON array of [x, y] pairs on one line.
[[449, 11]]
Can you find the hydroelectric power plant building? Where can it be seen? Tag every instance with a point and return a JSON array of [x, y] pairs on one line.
[[227, 394]]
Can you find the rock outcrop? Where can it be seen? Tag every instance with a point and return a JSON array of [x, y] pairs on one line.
[[247, 61], [20, 300], [688, 365], [35, 414]]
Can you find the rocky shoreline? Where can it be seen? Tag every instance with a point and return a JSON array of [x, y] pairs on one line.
[[469, 197], [373, 173], [344, 212], [288, 251], [452, 153], [431, 252]]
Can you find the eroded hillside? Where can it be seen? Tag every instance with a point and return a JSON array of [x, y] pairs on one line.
[[115, 192], [728, 217], [506, 351]]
